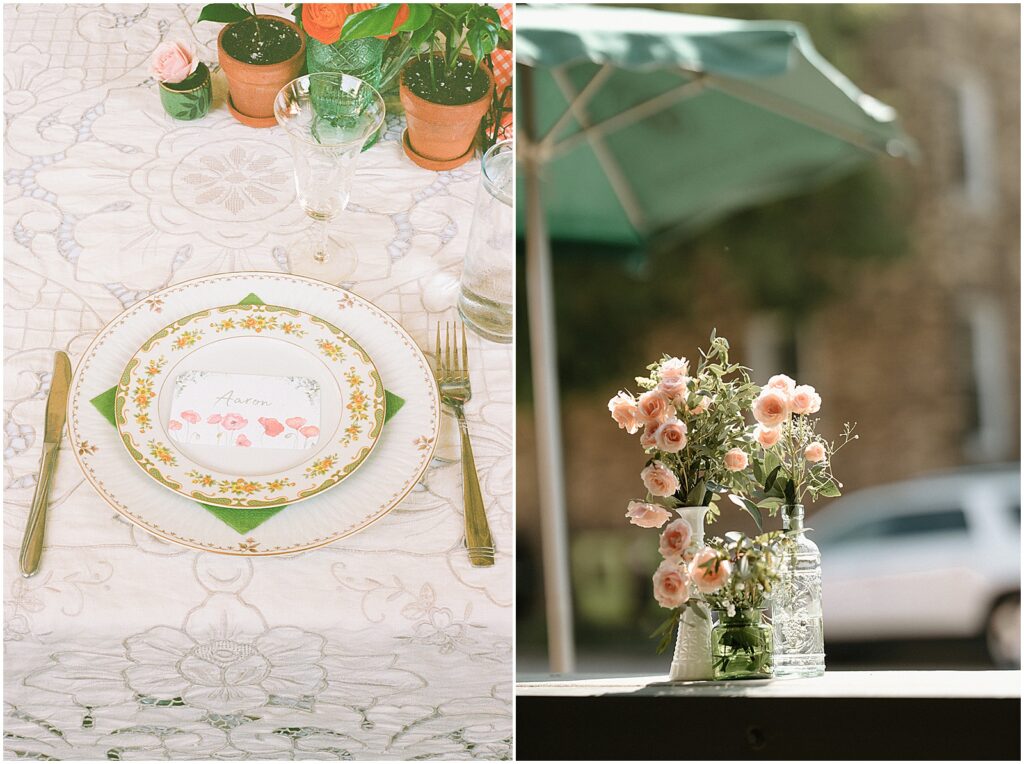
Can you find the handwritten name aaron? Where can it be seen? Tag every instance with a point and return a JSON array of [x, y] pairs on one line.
[[230, 399]]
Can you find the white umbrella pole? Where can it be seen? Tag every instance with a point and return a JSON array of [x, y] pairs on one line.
[[547, 412]]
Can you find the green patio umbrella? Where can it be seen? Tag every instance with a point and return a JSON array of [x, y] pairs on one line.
[[640, 127]]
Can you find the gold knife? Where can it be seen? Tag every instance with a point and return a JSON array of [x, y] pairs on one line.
[[56, 413]]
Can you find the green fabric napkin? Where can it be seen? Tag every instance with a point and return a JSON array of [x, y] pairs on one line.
[[241, 519]]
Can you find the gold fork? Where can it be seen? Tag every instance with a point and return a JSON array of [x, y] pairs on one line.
[[453, 382]]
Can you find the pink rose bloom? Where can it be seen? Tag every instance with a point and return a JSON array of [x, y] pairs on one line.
[[767, 436], [271, 426], [190, 416], [782, 382], [174, 424], [233, 422], [804, 400], [673, 368], [646, 515], [702, 405], [671, 436], [712, 578], [674, 389], [771, 407], [647, 439], [659, 479], [735, 460], [624, 412], [295, 422], [214, 419], [815, 452], [243, 441], [310, 431], [173, 61], [674, 540], [653, 407], [670, 585]]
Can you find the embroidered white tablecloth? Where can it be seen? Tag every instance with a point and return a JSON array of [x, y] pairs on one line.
[[127, 647]]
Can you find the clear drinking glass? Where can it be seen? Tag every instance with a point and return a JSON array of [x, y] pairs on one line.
[[485, 293], [328, 117]]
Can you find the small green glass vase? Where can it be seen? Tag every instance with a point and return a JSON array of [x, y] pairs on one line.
[[742, 646], [361, 58], [189, 99]]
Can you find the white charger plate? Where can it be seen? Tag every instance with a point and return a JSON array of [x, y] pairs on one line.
[[403, 451], [243, 339]]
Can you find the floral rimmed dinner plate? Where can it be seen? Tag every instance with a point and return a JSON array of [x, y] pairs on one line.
[[404, 447], [249, 406]]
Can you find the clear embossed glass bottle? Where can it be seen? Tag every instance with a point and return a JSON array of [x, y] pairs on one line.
[[796, 602]]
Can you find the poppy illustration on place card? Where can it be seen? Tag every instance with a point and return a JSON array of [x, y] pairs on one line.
[[245, 410]]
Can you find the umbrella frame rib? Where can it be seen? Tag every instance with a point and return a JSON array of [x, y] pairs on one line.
[[620, 186], [633, 114]]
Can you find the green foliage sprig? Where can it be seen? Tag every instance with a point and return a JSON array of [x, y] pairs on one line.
[[445, 29], [753, 569]]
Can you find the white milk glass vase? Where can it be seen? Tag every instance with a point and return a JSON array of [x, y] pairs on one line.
[[691, 659], [796, 602], [328, 117]]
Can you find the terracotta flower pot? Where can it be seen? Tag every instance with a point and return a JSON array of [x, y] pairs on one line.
[[441, 136], [253, 87]]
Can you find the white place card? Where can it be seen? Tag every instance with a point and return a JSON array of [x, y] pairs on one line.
[[245, 410]]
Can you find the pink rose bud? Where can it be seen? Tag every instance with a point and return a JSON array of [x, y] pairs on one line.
[[646, 515], [804, 400], [243, 441], [647, 439], [671, 436], [295, 422], [671, 587], [815, 452], [173, 61], [767, 436], [659, 479], [624, 412], [771, 407], [673, 368], [674, 540], [735, 460], [654, 408], [782, 382], [709, 578]]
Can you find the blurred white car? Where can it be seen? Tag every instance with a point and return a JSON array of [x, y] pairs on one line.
[[933, 557]]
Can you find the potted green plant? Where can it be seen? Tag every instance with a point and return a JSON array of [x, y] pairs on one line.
[[446, 87], [259, 54]]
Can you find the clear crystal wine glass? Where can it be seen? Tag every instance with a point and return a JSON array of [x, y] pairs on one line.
[[328, 117]]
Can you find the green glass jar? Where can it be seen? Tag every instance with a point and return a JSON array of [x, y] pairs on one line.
[[741, 645], [190, 98], [362, 58]]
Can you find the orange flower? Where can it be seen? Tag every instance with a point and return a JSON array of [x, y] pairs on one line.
[[323, 21]]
